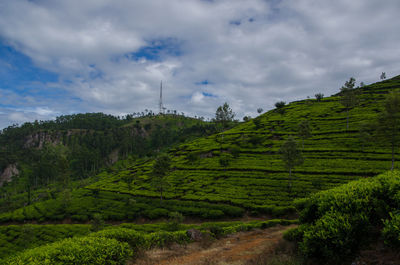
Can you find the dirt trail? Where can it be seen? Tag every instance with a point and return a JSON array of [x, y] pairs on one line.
[[235, 249]]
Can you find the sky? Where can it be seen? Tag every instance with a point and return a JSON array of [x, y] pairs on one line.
[[61, 57]]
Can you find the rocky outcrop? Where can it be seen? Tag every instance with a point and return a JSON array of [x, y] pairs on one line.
[[39, 139], [9, 172]]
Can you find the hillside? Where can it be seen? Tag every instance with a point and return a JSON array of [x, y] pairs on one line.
[[255, 177], [41, 158], [240, 170]]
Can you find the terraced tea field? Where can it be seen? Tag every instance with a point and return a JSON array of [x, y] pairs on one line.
[[255, 177]]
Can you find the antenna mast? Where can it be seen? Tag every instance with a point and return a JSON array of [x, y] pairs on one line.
[[160, 104]]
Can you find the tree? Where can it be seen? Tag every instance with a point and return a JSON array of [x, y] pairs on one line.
[[291, 156], [279, 106], [97, 222], [161, 168], [349, 97], [383, 76], [192, 157], [389, 122], [225, 160], [224, 114], [319, 96], [362, 84], [259, 110], [257, 123], [364, 134], [304, 130], [246, 118]]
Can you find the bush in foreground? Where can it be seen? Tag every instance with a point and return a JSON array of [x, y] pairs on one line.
[[337, 222], [79, 251]]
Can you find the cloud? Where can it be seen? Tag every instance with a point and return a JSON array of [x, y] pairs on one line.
[[110, 55]]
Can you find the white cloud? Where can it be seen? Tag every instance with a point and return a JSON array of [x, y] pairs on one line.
[[254, 52]]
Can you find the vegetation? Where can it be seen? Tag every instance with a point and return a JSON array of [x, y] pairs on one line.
[[115, 244], [336, 223], [319, 96], [348, 97], [242, 170], [279, 106], [291, 156], [161, 168], [389, 122], [304, 131], [52, 155], [254, 179], [224, 115]]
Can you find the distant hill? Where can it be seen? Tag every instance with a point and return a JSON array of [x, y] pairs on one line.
[[51, 154]]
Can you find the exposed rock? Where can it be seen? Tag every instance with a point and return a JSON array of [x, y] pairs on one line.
[[194, 234], [114, 156], [9, 172], [39, 139]]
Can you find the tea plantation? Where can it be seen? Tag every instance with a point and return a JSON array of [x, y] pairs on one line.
[[75, 244], [254, 176], [225, 176], [337, 223], [239, 170]]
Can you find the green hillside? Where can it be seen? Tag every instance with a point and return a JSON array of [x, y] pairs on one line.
[[226, 175], [255, 177], [239, 170], [48, 156]]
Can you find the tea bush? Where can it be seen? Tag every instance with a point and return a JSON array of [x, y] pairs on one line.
[[391, 230], [79, 251], [337, 222]]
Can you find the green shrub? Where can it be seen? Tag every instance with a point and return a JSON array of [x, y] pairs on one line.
[[174, 221], [79, 251], [97, 222], [162, 238], [235, 151], [133, 238], [391, 230], [156, 213], [213, 214], [337, 222], [331, 235], [216, 231]]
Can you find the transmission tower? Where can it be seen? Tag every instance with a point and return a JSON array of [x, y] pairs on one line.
[[161, 104]]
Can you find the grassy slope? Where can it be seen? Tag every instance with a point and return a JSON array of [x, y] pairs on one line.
[[257, 177]]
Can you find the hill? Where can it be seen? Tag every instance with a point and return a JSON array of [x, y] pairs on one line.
[[254, 176], [40, 158], [239, 170]]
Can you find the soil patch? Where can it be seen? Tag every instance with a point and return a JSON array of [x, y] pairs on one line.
[[236, 249]]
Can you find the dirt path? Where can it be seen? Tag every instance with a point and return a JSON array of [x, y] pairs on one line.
[[235, 249]]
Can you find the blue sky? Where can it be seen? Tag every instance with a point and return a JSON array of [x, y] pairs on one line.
[[69, 56]]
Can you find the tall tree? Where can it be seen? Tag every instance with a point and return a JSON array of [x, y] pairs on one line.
[[161, 168], [279, 107], [304, 131], [291, 156], [383, 76], [389, 122], [349, 97], [224, 114]]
